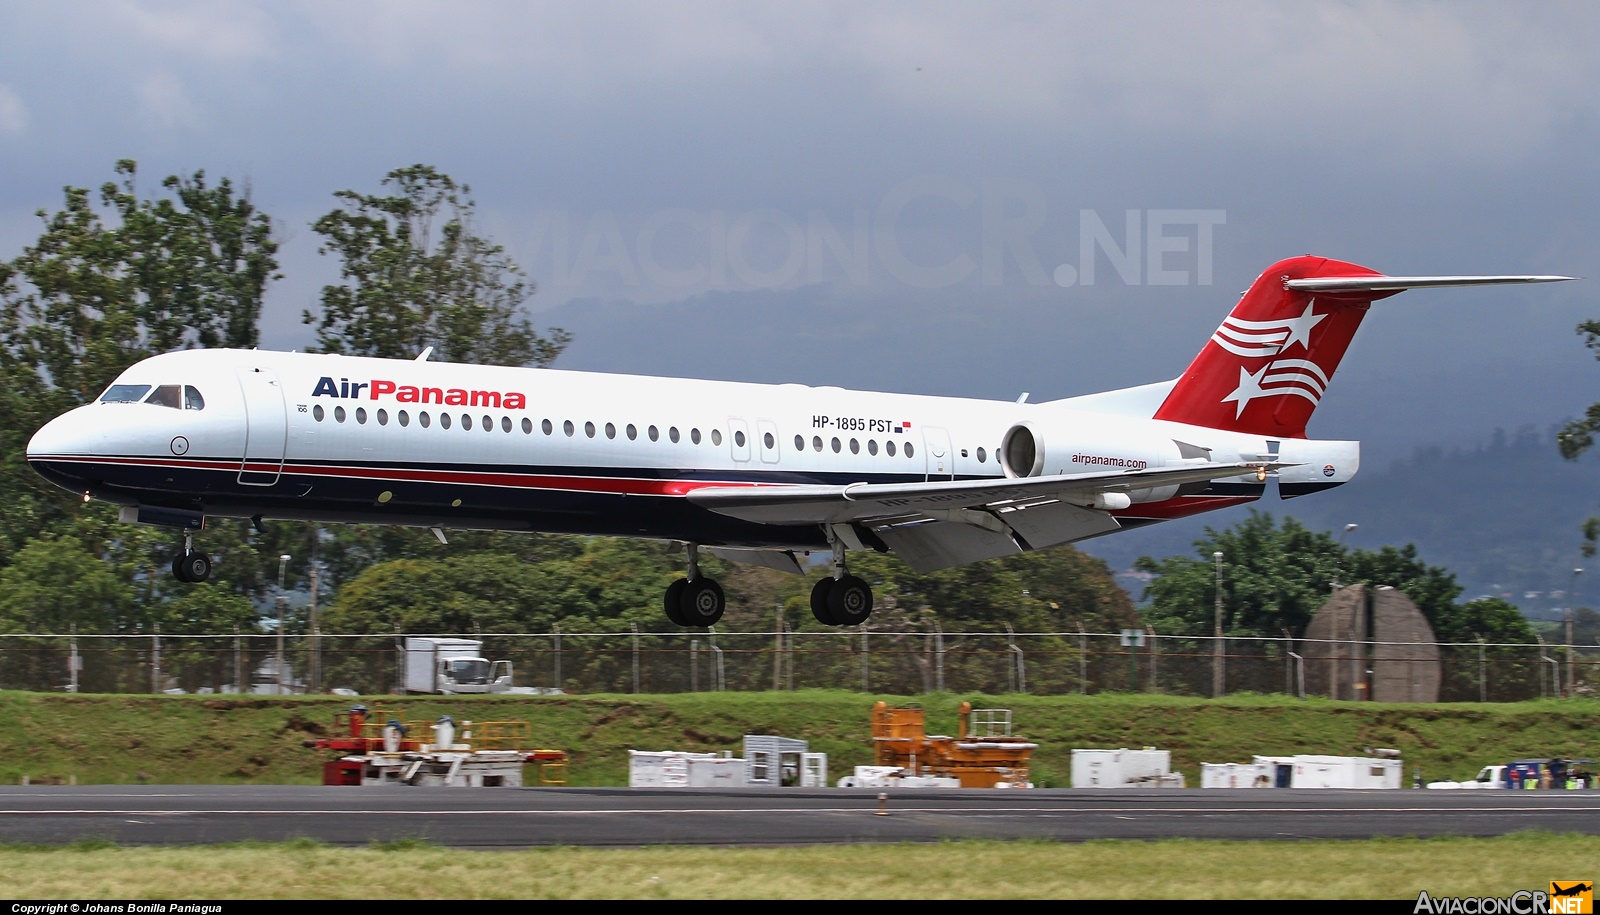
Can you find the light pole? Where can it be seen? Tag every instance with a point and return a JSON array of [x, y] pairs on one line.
[[1572, 595], [1216, 660], [1338, 559], [283, 565]]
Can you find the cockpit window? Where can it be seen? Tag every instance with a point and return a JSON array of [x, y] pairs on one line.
[[192, 399], [124, 393], [166, 395]]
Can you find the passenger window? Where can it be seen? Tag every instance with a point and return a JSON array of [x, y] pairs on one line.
[[338, 414], [466, 421], [982, 455], [547, 427], [568, 428], [611, 431], [125, 393], [654, 435], [422, 418], [405, 418], [317, 413], [192, 399], [888, 447], [738, 438], [769, 440], [444, 420], [633, 432], [694, 435], [361, 415], [716, 436], [910, 451], [505, 424], [836, 446], [816, 443], [799, 443], [488, 424], [872, 446], [672, 433], [167, 395], [588, 429], [383, 417], [855, 447]]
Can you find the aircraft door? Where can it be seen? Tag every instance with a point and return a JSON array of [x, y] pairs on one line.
[[936, 449], [266, 427], [739, 439], [767, 441]]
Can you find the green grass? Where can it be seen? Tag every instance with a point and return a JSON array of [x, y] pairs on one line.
[[1172, 869], [237, 740]]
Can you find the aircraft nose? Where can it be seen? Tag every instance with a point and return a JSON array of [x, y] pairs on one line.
[[57, 449]]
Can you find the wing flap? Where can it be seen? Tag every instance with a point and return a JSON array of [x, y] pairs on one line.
[[900, 502], [934, 545]]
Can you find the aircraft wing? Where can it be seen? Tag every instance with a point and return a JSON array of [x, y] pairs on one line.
[[936, 525]]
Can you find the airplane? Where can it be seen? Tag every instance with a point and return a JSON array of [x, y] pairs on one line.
[[758, 473]]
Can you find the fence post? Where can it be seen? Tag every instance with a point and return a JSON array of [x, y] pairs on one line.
[[1155, 655], [155, 659], [74, 663], [938, 656], [1083, 661], [1483, 672], [694, 665], [557, 640], [866, 679], [635, 628]]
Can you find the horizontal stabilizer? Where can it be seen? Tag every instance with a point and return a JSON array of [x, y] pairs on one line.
[[1397, 283]]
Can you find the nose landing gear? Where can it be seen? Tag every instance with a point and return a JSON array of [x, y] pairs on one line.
[[695, 600]]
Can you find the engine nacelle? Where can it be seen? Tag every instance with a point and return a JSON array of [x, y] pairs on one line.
[[1032, 449]]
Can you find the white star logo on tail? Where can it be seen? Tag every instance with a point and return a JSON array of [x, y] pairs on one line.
[[1267, 338], [1300, 377]]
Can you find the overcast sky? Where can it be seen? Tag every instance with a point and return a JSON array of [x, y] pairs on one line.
[[902, 195]]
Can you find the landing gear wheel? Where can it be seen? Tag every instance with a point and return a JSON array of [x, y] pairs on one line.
[[849, 601], [819, 601], [674, 602], [702, 603], [192, 567]]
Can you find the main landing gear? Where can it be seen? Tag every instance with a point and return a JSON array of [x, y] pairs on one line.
[[841, 599], [191, 565], [696, 600]]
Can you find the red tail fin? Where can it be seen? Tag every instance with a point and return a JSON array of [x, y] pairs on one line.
[[1267, 366]]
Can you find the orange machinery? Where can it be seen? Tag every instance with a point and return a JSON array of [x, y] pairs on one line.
[[985, 756], [362, 730]]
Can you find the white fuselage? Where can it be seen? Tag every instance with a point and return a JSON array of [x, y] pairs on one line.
[[338, 438]]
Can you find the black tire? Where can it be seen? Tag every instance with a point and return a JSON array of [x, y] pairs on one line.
[[849, 601], [177, 568], [703, 602], [673, 603], [196, 567], [819, 601]]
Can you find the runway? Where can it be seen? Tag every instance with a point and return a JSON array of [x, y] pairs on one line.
[[488, 818]]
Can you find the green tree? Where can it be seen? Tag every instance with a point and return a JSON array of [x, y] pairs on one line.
[[416, 274], [1577, 436], [1275, 578], [107, 285]]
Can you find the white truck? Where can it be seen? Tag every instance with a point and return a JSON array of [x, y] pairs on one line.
[[453, 666], [1488, 777]]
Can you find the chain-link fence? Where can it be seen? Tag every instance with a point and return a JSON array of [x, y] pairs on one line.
[[903, 663]]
